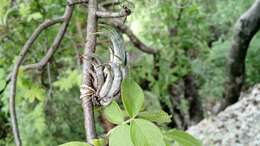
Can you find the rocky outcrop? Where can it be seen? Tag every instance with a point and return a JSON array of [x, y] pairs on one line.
[[237, 125]]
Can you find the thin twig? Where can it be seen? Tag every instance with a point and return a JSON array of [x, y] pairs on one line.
[[106, 14], [110, 3], [133, 38], [77, 2], [17, 65], [55, 44]]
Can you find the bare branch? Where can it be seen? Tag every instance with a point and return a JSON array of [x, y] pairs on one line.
[[133, 38], [105, 14], [77, 2], [56, 43], [86, 84], [17, 65], [108, 3]]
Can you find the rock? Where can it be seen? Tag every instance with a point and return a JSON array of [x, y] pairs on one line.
[[237, 125]]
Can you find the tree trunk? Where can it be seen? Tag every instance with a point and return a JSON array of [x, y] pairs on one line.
[[191, 94], [246, 27]]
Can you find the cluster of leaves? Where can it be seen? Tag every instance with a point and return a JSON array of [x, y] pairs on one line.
[[183, 53], [180, 34], [43, 119], [136, 128], [210, 66]]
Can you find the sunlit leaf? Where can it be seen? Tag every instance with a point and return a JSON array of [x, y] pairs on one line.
[[132, 96], [98, 142], [145, 133], [75, 143], [156, 116], [113, 113], [120, 136], [182, 138]]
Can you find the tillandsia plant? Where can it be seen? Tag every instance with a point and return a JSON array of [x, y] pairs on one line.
[[135, 127]]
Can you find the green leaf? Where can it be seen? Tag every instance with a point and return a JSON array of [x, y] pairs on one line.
[[35, 92], [68, 81], [2, 73], [120, 136], [2, 84], [182, 138], [98, 142], [145, 133], [132, 96], [113, 113], [75, 143], [34, 16], [156, 116], [2, 80]]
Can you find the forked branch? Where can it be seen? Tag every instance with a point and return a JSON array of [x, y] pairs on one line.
[[20, 59]]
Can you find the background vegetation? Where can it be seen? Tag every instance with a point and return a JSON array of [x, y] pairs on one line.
[[193, 41]]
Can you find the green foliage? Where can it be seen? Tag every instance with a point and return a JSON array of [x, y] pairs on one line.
[[98, 142], [156, 116], [145, 133], [113, 113], [141, 132], [181, 138], [120, 135], [2, 76], [75, 144], [132, 96], [181, 37], [69, 80]]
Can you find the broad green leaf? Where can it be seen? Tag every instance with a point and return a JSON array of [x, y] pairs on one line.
[[132, 96], [75, 143], [145, 133], [120, 136], [113, 113], [182, 138], [98, 142], [156, 116]]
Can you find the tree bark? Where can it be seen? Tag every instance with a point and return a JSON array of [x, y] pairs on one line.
[[86, 84], [245, 29], [191, 94]]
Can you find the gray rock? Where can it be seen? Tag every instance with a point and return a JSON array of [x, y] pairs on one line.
[[237, 125]]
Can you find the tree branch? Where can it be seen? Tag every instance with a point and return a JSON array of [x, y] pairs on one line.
[[85, 97], [108, 3], [17, 65], [105, 14], [77, 2], [245, 29], [56, 43], [133, 38]]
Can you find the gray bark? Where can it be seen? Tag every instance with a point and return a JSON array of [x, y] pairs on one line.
[[90, 46], [245, 29]]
